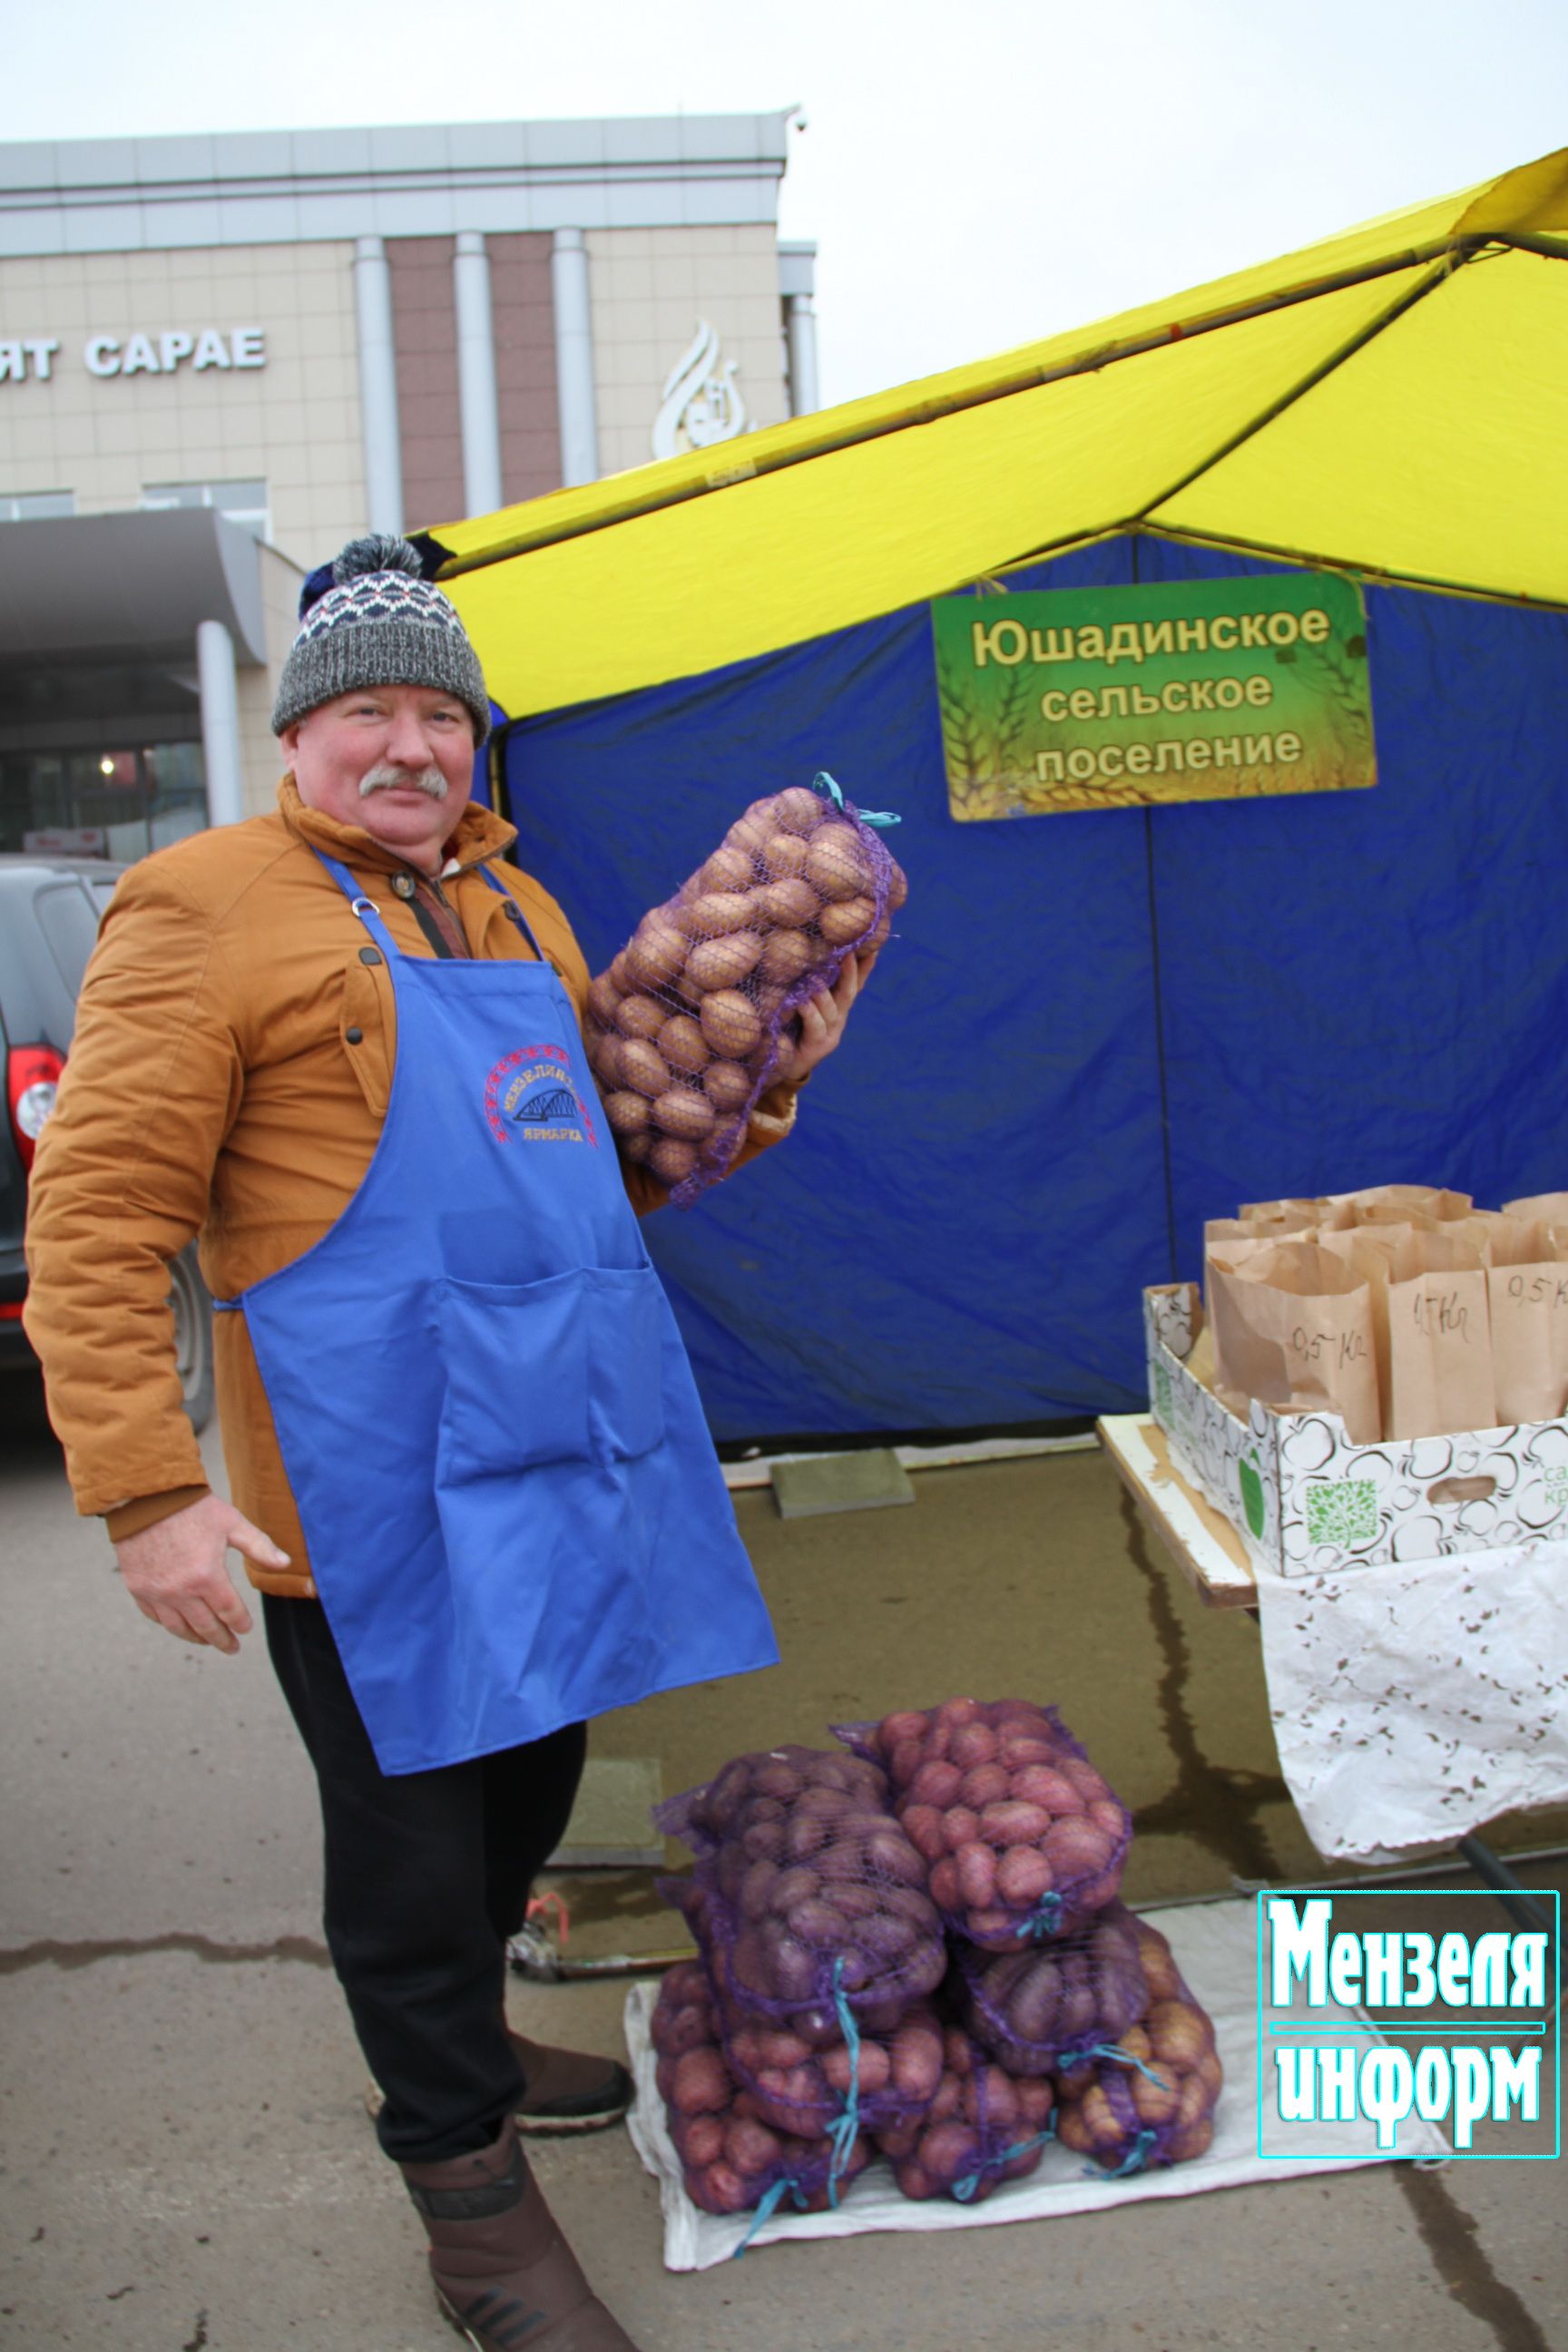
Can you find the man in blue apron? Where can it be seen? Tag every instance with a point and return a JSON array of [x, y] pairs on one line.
[[450, 1379]]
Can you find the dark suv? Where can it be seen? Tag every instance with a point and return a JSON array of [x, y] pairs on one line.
[[50, 908]]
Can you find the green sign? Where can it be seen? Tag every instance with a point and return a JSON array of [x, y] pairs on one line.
[[1126, 698]]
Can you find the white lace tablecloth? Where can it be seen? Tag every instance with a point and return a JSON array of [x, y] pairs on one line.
[[1414, 1701]]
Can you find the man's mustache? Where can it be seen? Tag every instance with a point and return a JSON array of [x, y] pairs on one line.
[[384, 778]]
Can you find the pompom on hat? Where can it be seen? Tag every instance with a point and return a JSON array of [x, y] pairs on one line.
[[371, 618]]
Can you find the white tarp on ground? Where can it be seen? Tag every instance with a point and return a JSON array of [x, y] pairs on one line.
[[1414, 1701], [1215, 1947]]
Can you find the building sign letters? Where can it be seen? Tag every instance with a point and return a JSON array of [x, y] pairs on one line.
[[31, 358]]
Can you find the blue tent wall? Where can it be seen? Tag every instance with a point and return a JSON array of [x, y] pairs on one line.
[[1093, 1031]]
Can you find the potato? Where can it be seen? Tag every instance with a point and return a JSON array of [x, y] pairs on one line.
[[626, 1112], [844, 920], [898, 885], [955, 1713], [703, 2084], [636, 1147], [749, 2145], [727, 1085], [620, 977], [944, 1888], [1084, 1778], [921, 1824], [701, 2140], [1008, 1823], [983, 1784], [710, 914], [718, 2188], [782, 855], [785, 955], [723, 962], [937, 1782], [683, 1046], [787, 905], [835, 864], [654, 955], [912, 1723], [685, 1111], [977, 1875], [974, 1743], [730, 1023], [1023, 1876], [961, 1826], [672, 1160], [603, 998], [729, 868], [640, 1016], [1037, 1784], [796, 810], [1076, 1849], [642, 1068]]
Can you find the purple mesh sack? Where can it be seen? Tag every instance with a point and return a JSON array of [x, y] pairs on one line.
[[1021, 1835], [814, 1900], [982, 2129], [1151, 2101], [698, 1013], [1069, 1997], [867, 2082], [732, 2161]]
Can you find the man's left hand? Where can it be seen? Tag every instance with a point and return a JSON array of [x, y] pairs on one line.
[[822, 1018]]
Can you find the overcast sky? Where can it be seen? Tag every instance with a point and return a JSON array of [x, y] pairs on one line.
[[975, 174]]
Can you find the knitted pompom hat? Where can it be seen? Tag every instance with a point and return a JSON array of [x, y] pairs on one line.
[[371, 618]]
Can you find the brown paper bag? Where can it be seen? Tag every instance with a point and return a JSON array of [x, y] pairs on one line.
[[1439, 1338], [1293, 1328], [1541, 1208], [1518, 1241], [1368, 1251], [1423, 1199], [1529, 1306]]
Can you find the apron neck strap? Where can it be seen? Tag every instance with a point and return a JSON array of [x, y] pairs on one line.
[[365, 908], [369, 912], [514, 912]]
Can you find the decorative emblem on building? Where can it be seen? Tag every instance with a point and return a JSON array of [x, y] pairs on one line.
[[702, 401]]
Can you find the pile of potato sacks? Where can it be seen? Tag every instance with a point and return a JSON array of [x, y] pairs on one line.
[[699, 1012], [918, 1950]]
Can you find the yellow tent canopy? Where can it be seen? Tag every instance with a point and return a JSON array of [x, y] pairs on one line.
[[1392, 403]]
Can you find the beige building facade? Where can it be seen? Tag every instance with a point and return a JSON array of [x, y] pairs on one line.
[[286, 340]]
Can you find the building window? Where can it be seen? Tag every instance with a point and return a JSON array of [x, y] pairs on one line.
[[37, 506], [243, 502]]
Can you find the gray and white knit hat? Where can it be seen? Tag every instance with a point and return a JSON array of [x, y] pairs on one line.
[[371, 618]]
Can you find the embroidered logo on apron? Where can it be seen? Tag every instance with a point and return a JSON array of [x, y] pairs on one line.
[[530, 1093]]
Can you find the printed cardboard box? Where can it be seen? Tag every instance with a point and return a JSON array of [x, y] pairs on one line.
[[1306, 1502]]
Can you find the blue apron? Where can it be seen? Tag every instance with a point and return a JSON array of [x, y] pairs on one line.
[[514, 1513]]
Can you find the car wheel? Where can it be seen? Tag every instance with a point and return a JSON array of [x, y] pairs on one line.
[[191, 1304]]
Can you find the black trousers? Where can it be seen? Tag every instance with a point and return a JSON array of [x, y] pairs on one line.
[[427, 1873]]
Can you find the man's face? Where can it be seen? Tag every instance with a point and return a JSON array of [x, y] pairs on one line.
[[398, 760]]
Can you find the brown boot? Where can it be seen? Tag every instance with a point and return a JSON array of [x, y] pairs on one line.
[[504, 2275], [567, 2090]]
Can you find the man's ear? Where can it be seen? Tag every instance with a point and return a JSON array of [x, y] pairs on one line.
[[289, 741]]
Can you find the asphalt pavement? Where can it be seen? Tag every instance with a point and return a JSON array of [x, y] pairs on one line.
[[186, 2164]]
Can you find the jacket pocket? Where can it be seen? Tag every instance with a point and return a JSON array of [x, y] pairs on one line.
[[569, 1370], [364, 1031]]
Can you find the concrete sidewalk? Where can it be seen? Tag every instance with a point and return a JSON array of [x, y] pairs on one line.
[[187, 2162]]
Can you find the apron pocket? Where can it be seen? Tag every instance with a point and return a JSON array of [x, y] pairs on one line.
[[564, 1371]]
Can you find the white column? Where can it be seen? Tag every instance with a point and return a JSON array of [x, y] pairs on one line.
[[220, 723], [378, 387], [802, 331], [575, 358], [476, 376]]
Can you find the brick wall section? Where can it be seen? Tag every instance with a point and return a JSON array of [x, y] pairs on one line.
[[425, 332], [523, 312]]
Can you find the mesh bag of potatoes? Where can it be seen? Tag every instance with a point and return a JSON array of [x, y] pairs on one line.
[[982, 2129], [813, 1900], [731, 2159], [1151, 2100], [1068, 1998], [698, 1013]]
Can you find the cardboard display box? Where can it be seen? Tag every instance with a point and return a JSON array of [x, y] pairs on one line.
[[1308, 1502]]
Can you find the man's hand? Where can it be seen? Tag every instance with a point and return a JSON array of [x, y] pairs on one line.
[[822, 1018], [177, 1573]]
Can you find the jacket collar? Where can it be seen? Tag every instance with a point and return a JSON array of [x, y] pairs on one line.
[[480, 834]]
